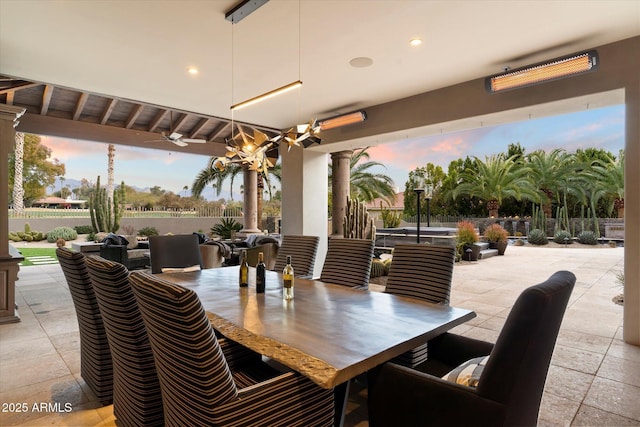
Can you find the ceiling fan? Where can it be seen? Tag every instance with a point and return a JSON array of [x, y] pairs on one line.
[[177, 138]]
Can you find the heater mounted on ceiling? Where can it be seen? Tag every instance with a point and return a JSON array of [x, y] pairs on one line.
[[342, 120], [543, 72]]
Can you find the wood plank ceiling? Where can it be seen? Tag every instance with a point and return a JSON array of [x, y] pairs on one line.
[[76, 114]]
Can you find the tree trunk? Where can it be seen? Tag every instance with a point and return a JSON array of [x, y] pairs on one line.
[[260, 203], [18, 189], [619, 205], [110, 177]]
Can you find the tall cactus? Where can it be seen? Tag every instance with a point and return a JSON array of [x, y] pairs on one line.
[[106, 213], [357, 224]]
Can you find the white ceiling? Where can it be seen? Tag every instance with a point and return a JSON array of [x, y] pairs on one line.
[[140, 50]]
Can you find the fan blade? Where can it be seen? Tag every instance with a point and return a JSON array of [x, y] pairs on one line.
[[179, 142], [194, 140], [175, 135]]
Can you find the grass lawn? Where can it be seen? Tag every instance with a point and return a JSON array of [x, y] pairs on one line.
[[32, 252]]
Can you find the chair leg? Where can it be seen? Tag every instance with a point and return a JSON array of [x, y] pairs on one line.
[[340, 398]]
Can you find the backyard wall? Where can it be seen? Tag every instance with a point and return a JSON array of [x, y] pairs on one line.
[[163, 225]]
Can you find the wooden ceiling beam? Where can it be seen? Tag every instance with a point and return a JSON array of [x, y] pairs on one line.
[[108, 111], [82, 100], [46, 99], [198, 128], [20, 86], [157, 119], [133, 116], [79, 129], [175, 127], [224, 128]]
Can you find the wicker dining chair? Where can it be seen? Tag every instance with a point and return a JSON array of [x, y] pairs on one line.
[[423, 272], [174, 251], [302, 249], [348, 263], [196, 382], [136, 392], [96, 367]]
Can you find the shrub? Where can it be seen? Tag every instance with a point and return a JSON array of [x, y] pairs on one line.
[[587, 237], [148, 231], [225, 227], [66, 233], [83, 229], [466, 233], [128, 230], [563, 237], [537, 237], [390, 219], [496, 233], [379, 268]]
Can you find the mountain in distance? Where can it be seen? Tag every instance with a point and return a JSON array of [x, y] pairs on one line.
[[209, 193]]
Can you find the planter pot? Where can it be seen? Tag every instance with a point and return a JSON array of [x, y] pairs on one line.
[[470, 252], [501, 246]]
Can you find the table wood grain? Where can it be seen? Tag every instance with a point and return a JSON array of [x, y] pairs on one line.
[[329, 333]]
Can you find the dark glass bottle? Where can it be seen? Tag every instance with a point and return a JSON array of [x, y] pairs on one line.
[[244, 271], [260, 274]]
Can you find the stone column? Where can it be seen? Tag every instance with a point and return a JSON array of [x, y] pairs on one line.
[[9, 257], [250, 207], [340, 184], [631, 323]]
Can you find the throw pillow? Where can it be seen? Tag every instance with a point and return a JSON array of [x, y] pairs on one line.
[[468, 373]]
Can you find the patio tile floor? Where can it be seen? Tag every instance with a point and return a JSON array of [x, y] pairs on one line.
[[594, 378]]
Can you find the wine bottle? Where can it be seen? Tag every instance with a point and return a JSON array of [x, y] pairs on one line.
[[287, 276], [244, 271], [260, 274]]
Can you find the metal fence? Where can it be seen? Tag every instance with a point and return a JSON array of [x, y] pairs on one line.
[[205, 212]]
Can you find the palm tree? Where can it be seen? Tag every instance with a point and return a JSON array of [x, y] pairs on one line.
[[18, 189], [551, 173], [215, 176], [365, 185], [609, 182], [110, 175], [494, 180]]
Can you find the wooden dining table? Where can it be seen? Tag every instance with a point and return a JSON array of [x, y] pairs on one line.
[[328, 332]]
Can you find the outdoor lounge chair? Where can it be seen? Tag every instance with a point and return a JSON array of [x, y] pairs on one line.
[[197, 386], [504, 389], [175, 252]]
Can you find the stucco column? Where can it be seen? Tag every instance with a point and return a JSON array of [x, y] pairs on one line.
[[304, 197], [631, 324], [250, 207], [340, 184], [8, 261]]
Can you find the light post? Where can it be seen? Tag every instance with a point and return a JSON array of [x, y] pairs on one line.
[[419, 189], [428, 196]]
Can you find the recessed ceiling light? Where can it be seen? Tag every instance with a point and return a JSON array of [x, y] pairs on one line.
[[361, 62], [416, 41], [192, 70]]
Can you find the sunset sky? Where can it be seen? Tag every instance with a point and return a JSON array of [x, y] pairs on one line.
[[599, 128]]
